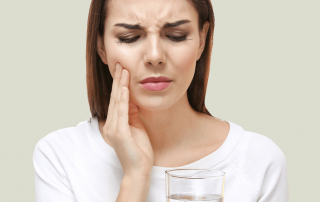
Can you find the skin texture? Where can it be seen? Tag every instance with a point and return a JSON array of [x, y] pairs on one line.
[[173, 127]]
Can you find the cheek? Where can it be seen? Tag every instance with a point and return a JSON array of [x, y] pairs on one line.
[[122, 54], [183, 60]]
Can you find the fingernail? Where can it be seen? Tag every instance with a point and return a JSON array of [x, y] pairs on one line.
[[122, 90], [124, 72]]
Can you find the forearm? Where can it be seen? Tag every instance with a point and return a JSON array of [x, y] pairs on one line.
[[134, 189]]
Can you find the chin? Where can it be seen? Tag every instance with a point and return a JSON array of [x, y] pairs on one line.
[[156, 103]]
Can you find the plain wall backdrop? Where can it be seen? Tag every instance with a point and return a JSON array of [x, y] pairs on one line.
[[264, 77]]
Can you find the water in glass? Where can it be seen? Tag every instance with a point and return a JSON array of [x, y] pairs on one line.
[[193, 197]]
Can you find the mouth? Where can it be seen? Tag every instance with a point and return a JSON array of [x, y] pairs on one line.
[[155, 79], [155, 84]]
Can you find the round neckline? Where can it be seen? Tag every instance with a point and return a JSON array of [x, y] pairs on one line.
[[158, 172]]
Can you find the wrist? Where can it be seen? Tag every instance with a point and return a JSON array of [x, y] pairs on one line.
[[142, 174], [135, 178], [134, 188]]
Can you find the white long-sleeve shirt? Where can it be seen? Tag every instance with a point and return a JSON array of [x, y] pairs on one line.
[[76, 164]]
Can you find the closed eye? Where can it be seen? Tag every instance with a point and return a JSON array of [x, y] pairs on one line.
[[177, 39], [128, 40], [131, 40]]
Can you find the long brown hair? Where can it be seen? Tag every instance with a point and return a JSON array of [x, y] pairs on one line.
[[99, 79]]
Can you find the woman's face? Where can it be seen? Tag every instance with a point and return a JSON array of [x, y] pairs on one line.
[[154, 50]]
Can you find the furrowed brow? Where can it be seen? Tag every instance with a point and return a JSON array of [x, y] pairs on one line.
[[175, 24], [128, 26], [137, 26]]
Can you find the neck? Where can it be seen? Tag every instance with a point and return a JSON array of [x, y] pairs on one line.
[[170, 128]]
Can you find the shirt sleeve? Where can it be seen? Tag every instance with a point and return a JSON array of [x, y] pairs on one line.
[[51, 182], [275, 183]]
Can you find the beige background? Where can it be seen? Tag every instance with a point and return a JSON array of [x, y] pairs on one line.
[[264, 76]]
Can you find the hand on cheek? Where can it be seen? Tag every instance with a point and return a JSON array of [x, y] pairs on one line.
[[126, 132]]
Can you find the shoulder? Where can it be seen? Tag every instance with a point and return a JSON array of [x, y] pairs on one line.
[[65, 146], [258, 151], [259, 161], [260, 147]]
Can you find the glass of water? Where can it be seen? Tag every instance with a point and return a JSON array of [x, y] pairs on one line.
[[194, 185]]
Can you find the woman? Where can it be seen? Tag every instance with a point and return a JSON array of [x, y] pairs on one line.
[[147, 70]]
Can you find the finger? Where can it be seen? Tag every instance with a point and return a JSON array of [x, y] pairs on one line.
[[127, 78], [117, 102], [123, 118], [123, 81], [114, 92]]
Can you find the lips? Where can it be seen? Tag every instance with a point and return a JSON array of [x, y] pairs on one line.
[[156, 84], [154, 79]]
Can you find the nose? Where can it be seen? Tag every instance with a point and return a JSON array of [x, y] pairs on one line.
[[154, 54]]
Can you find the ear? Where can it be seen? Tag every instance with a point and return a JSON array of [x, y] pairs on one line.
[[203, 36], [101, 50]]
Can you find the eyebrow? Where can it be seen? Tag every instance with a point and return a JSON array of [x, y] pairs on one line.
[[167, 25]]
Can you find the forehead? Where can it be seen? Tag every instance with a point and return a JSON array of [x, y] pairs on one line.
[[150, 13]]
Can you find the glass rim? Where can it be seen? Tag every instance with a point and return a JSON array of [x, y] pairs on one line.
[[179, 176]]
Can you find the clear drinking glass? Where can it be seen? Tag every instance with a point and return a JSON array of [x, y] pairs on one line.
[[194, 185]]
